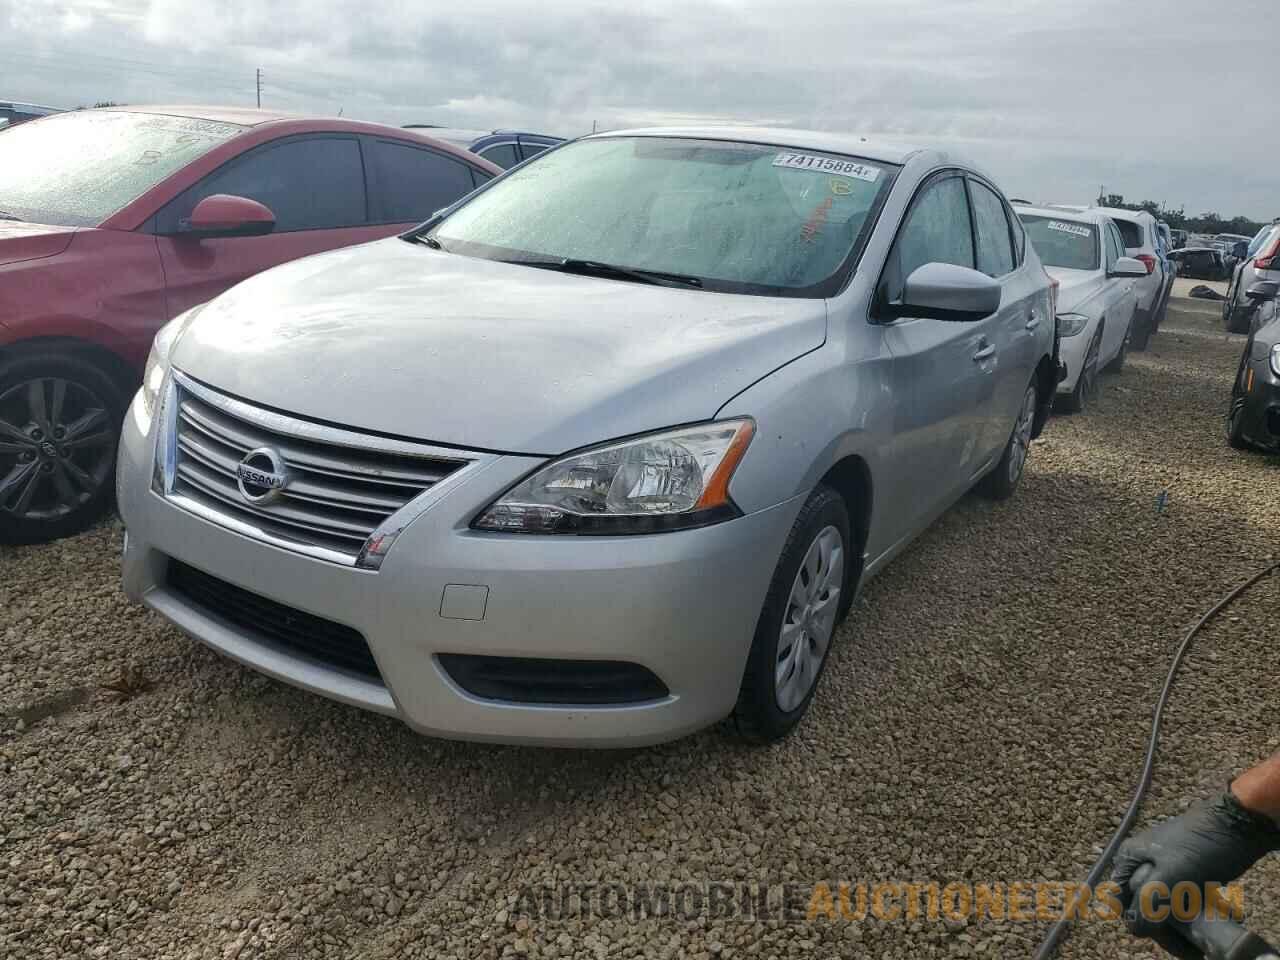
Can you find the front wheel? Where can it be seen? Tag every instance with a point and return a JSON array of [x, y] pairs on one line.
[[1086, 389], [1003, 480], [1117, 362], [59, 421], [808, 597]]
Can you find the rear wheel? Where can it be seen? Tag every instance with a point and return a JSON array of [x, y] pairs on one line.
[[1140, 336], [1003, 480], [807, 599], [59, 422]]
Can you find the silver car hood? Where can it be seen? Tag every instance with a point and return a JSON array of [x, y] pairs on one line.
[[397, 338]]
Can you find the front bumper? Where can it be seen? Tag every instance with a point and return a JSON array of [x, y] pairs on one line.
[[1261, 395], [1071, 354], [683, 604]]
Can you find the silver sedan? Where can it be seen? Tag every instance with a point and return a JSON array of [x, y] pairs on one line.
[[602, 454]]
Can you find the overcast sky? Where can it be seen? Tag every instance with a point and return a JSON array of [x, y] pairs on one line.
[[1055, 100]]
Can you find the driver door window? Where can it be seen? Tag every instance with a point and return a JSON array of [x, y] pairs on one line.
[[938, 229], [309, 183]]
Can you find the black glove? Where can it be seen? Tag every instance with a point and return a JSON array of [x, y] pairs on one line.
[[1215, 841]]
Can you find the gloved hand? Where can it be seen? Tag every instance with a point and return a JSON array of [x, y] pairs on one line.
[[1216, 841]]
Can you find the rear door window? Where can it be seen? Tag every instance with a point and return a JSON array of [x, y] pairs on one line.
[[407, 184], [991, 226], [1130, 231], [309, 183]]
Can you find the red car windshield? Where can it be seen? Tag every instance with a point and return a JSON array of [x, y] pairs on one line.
[[76, 169]]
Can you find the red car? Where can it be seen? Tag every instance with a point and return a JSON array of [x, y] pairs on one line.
[[114, 221]]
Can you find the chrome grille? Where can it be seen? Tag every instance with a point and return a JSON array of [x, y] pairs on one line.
[[343, 486]]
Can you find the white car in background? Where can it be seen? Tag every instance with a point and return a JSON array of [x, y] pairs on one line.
[[1139, 231], [1097, 293]]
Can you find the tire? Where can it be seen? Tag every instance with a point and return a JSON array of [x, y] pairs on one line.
[[60, 418], [1238, 319], [1086, 388], [1228, 305], [1117, 362], [1160, 314], [1140, 336], [1002, 482], [1235, 426], [772, 700]]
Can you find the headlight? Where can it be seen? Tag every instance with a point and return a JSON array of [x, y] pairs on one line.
[[1275, 359], [1070, 324], [158, 360], [665, 481]]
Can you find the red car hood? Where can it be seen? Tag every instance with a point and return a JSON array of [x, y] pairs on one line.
[[31, 241]]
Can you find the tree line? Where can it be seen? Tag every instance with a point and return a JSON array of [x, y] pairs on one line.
[[1210, 223]]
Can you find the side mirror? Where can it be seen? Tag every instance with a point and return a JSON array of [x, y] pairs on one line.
[[1128, 267], [1263, 290], [224, 215], [944, 291]]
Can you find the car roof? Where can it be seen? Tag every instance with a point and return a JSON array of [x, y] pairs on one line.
[[241, 116], [1061, 213], [1120, 213], [458, 135], [851, 144], [18, 105]]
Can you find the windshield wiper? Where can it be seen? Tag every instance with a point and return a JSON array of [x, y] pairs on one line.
[[5, 215], [597, 269], [426, 240]]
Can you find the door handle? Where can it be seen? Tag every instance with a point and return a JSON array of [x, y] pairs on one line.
[[986, 352], [1032, 322]]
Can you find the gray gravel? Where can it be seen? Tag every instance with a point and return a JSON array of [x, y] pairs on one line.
[[982, 719]]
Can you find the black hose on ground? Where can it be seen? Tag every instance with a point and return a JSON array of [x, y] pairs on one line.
[[1056, 933]]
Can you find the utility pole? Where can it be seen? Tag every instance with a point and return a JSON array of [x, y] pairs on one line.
[[259, 78]]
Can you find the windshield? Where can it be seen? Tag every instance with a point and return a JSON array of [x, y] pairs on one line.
[[1063, 243], [739, 217], [76, 169]]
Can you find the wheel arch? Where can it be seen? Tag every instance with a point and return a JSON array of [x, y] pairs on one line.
[[121, 372], [851, 478]]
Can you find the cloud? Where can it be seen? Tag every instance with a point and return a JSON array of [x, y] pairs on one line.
[[1054, 99]]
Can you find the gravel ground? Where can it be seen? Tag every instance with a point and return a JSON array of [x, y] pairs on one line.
[[982, 719]]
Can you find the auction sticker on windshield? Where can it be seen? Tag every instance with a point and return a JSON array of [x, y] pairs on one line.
[[1079, 229], [808, 161]]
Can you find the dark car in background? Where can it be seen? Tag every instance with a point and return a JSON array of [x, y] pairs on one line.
[[506, 148], [1200, 263], [1253, 420], [15, 113], [100, 246]]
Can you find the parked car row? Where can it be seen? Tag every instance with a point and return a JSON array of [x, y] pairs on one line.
[[712, 380], [1098, 296]]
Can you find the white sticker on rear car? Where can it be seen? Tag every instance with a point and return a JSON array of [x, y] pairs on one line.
[[809, 161], [1079, 229]]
